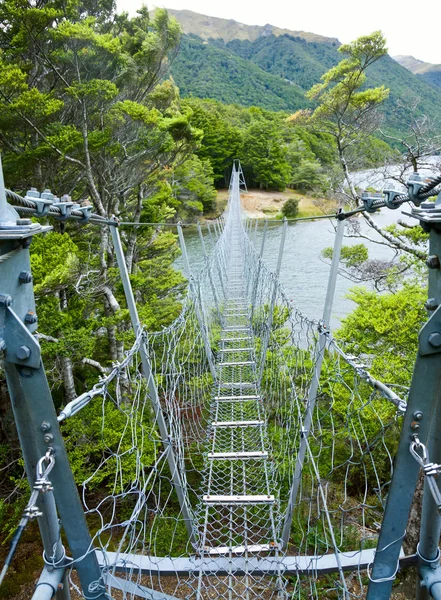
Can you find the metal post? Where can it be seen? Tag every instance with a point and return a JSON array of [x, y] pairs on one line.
[[273, 301], [38, 428], [148, 375], [259, 266], [418, 423], [197, 304], [430, 530], [210, 275], [313, 388], [32, 403], [48, 585]]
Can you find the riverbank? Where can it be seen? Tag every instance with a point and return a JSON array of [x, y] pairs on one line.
[[261, 204]]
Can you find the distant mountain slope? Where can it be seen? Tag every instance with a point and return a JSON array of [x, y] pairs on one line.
[[207, 27], [274, 71], [208, 71], [428, 72]]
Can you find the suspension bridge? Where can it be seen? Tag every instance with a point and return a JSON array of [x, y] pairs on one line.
[[244, 453]]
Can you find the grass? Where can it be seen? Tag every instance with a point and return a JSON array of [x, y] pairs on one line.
[[308, 206], [312, 207]]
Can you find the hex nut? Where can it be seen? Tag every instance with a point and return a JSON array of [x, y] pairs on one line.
[[23, 353], [435, 339], [5, 300], [433, 262], [48, 438], [45, 426], [431, 304], [25, 277], [30, 318]]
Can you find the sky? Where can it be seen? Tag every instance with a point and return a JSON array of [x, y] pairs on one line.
[[408, 31]]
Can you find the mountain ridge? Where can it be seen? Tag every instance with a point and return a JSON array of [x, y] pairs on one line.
[[206, 27], [428, 72]]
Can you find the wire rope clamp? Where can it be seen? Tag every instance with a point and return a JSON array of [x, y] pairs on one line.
[[389, 197], [65, 206], [87, 212], [369, 200], [42, 202], [414, 184]]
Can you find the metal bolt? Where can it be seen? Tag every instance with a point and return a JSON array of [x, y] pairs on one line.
[[433, 262], [417, 415], [5, 300], [23, 353], [435, 339], [30, 318], [48, 438], [25, 277], [431, 304], [45, 426], [415, 425]]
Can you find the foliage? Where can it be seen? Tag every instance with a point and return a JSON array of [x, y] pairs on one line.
[[346, 109], [386, 327], [309, 176], [290, 208]]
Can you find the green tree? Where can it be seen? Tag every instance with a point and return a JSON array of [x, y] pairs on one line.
[[346, 109], [386, 327], [221, 139], [85, 109], [264, 159]]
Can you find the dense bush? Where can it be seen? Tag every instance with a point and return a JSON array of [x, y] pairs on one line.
[[291, 208]]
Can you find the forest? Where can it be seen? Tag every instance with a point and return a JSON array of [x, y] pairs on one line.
[[88, 108]]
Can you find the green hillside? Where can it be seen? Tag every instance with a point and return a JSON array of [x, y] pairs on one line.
[[209, 70], [274, 71]]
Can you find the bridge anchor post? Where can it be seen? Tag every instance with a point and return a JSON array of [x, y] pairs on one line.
[[34, 413], [421, 429]]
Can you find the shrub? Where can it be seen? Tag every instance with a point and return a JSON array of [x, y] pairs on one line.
[[291, 208]]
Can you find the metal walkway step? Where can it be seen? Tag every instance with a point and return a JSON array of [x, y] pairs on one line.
[[236, 349], [235, 398], [228, 424], [242, 549], [246, 499], [238, 455], [240, 363]]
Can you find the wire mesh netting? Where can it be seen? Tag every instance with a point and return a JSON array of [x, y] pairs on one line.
[[270, 476]]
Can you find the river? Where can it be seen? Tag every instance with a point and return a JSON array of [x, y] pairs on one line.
[[304, 272]]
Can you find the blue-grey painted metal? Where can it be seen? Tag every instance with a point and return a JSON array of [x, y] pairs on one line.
[[269, 322], [32, 403], [149, 377], [313, 388], [169, 566], [425, 394], [50, 584], [430, 530]]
